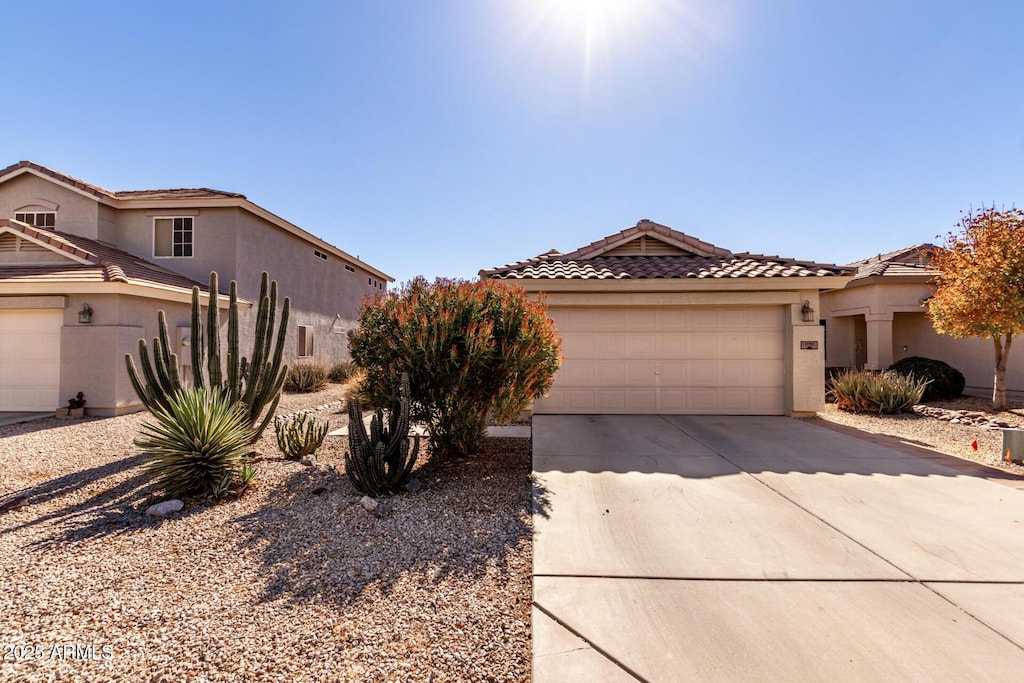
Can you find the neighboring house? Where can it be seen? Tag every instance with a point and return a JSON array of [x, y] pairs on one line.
[[84, 270], [880, 317], [655, 321]]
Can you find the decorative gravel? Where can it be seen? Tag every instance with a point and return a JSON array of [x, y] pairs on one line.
[[951, 427], [292, 581]]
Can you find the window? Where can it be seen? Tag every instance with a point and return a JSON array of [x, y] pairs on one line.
[[305, 342], [319, 254], [39, 219], [172, 237], [349, 268]]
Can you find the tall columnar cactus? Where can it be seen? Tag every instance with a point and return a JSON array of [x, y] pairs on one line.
[[381, 462], [256, 383]]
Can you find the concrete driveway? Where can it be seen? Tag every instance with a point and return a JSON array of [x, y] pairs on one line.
[[672, 548]]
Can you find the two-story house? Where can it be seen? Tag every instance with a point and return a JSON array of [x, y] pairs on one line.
[[84, 271]]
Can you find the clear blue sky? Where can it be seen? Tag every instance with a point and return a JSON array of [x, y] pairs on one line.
[[438, 137]]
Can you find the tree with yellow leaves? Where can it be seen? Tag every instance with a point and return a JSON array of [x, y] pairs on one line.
[[979, 291]]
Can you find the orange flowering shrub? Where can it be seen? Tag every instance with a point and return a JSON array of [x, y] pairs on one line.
[[471, 349]]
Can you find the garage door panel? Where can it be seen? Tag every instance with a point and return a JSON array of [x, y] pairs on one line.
[[733, 374], [734, 401], [766, 318], [577, 345], [703, 401], [673, 373], [576, 373], [610, 373], [765, 348], [702, 346], [642, 319], [766, 374], [608, 318], [671, 345], [641, 373], [671, 319], [733, 318], [610, 346], [641, 346], [733, 346], [702, 373], [641, 400], [702, 318], [610, 401]]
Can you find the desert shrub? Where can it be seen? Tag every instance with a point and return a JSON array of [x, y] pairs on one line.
[[354, 389], [380, 462], [306, 377], [300, 436], [199, 444], [340, 372], [470, 348], [944, 381], [871, 392]]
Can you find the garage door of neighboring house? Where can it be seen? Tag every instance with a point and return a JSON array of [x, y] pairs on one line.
[[671, 360], [30, 359]]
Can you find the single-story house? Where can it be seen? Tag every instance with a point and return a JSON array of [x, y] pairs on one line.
[[84, 270], [656, 321], [881, 317]]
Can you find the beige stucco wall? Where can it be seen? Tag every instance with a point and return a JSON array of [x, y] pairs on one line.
[[76, 214], [214, 235], [92, 355], [973, 357], [892, 310], [323, 293]]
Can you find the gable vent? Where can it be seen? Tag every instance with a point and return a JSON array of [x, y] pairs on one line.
[[646, 246], [8, 243]]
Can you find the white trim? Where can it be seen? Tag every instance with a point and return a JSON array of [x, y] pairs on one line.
[[192, 243]]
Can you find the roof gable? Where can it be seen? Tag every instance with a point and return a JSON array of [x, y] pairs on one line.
[[648, 238], [14, 236]]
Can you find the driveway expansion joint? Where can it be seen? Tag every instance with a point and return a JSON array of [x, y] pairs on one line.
[[590, 644]]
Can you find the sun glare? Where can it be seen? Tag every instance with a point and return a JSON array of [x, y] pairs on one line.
[[600, 35]]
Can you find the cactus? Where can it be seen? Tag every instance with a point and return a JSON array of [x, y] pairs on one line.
[[256, 383], [381, 462], [298, 438]]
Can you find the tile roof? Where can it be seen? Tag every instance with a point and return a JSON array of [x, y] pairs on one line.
[[549, 266], [96, 190], [103, 263], [708, 262], [907, 262]]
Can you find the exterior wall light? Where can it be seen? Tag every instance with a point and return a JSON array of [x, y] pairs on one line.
[[85, 315], [807, 312]]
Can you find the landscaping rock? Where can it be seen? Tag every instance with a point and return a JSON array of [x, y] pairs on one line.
[[13, 503], [413, 485], [308, 460], [382, 510], [369, 504], [165, 508]]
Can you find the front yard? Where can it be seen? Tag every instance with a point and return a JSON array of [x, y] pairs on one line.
[[293, 581]]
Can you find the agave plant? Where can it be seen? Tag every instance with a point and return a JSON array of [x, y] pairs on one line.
[[199, 444]]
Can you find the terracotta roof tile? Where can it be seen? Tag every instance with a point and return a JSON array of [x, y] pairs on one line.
[[556, 266], [907, 262]]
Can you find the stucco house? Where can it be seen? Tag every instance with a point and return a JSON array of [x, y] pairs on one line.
[[880, 317], [656, 321], [84, 270]]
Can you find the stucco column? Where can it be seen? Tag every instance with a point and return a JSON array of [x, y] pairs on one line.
[[879, 342]]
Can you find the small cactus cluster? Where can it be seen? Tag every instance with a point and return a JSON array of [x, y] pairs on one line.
[[255, 382], [300, 437], [382, 461]]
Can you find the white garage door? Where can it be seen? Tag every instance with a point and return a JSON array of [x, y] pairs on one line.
[[30, 359], [672, 360]]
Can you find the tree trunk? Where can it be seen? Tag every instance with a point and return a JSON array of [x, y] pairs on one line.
[[1002, 348]]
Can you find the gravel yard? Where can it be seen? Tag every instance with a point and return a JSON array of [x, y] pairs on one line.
[[293, 581], [944, 436]]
